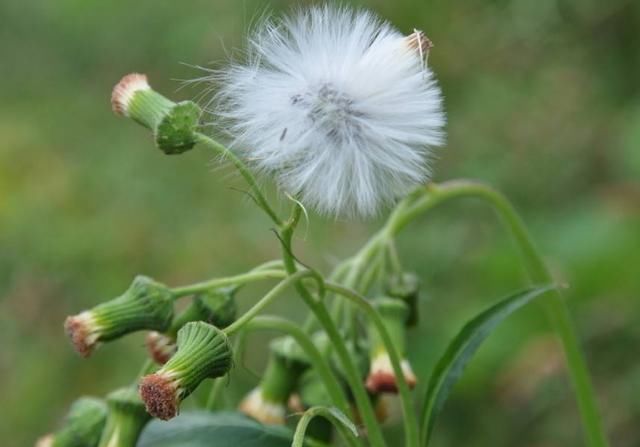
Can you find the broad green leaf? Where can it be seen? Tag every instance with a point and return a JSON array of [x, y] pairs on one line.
[[460, 351], [222, 429]]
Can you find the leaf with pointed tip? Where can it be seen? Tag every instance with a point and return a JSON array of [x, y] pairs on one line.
[[460, 351]]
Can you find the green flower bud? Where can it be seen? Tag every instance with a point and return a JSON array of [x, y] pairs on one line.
[[406, 286], [267, 402], [145, 305], [217, 307], [127, 417], [174, 125], [82, 427], [203, 352], [381, 378]]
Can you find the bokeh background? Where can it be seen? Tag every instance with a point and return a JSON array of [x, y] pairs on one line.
[[543, 102]]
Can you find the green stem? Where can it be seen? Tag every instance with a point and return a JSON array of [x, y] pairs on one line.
[[319, 363], [244, 171], [320, 311], [538, 273], [214, 394], [215, 283], [345, 428], [410, 420], [266, 300]]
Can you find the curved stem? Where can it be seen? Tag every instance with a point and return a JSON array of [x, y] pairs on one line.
[[318, 308], [244, 171], [319, 363], [244, 278], [266, 300], [410, 420], [538, 273], [337, 420]]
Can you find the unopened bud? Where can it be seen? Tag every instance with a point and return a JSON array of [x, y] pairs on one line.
[[203, 352], [381, 378], [406, 286], [216, 307], [174, 125], [127, 417], [82, 427], [146, 305], [267, 403]]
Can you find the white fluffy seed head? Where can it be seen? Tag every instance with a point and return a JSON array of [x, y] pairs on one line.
[[338, 106]]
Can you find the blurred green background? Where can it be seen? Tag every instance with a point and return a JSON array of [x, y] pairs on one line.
[[543, 102]]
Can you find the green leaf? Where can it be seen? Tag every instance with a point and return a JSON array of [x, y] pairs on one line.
[[344, 425], [222, 429], [459, 353]]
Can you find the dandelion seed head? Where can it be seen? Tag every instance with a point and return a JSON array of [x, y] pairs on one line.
[[338, 106]]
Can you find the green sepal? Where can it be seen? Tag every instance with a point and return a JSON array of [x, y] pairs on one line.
[[219, 305], [394, 314], [406, 286], [176, 132], [146, 305], [174, 125], [127, 417], [203, 352], [83, 425]]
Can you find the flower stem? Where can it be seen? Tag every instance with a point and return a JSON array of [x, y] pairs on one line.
[[320, 311], [538, 273], [410, 420], [244, 171], [319, 363], [266, 300], [215, 283]]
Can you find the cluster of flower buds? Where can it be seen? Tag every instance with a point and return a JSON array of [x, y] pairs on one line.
[[83, 425], [126, 419], [146, 305], [203, 352], [267, 402], [217, 307], [381, 378], [174, 125]]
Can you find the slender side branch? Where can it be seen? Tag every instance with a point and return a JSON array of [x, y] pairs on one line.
[[410, 420], [320, 365], [244, 171]]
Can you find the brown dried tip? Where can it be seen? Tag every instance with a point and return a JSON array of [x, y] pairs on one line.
[[80, 330], [125, 89], [381, 378], [419, 42], [160, 347], [158, 392]]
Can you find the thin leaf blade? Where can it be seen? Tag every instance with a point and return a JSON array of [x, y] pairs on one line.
[[458, 354]]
